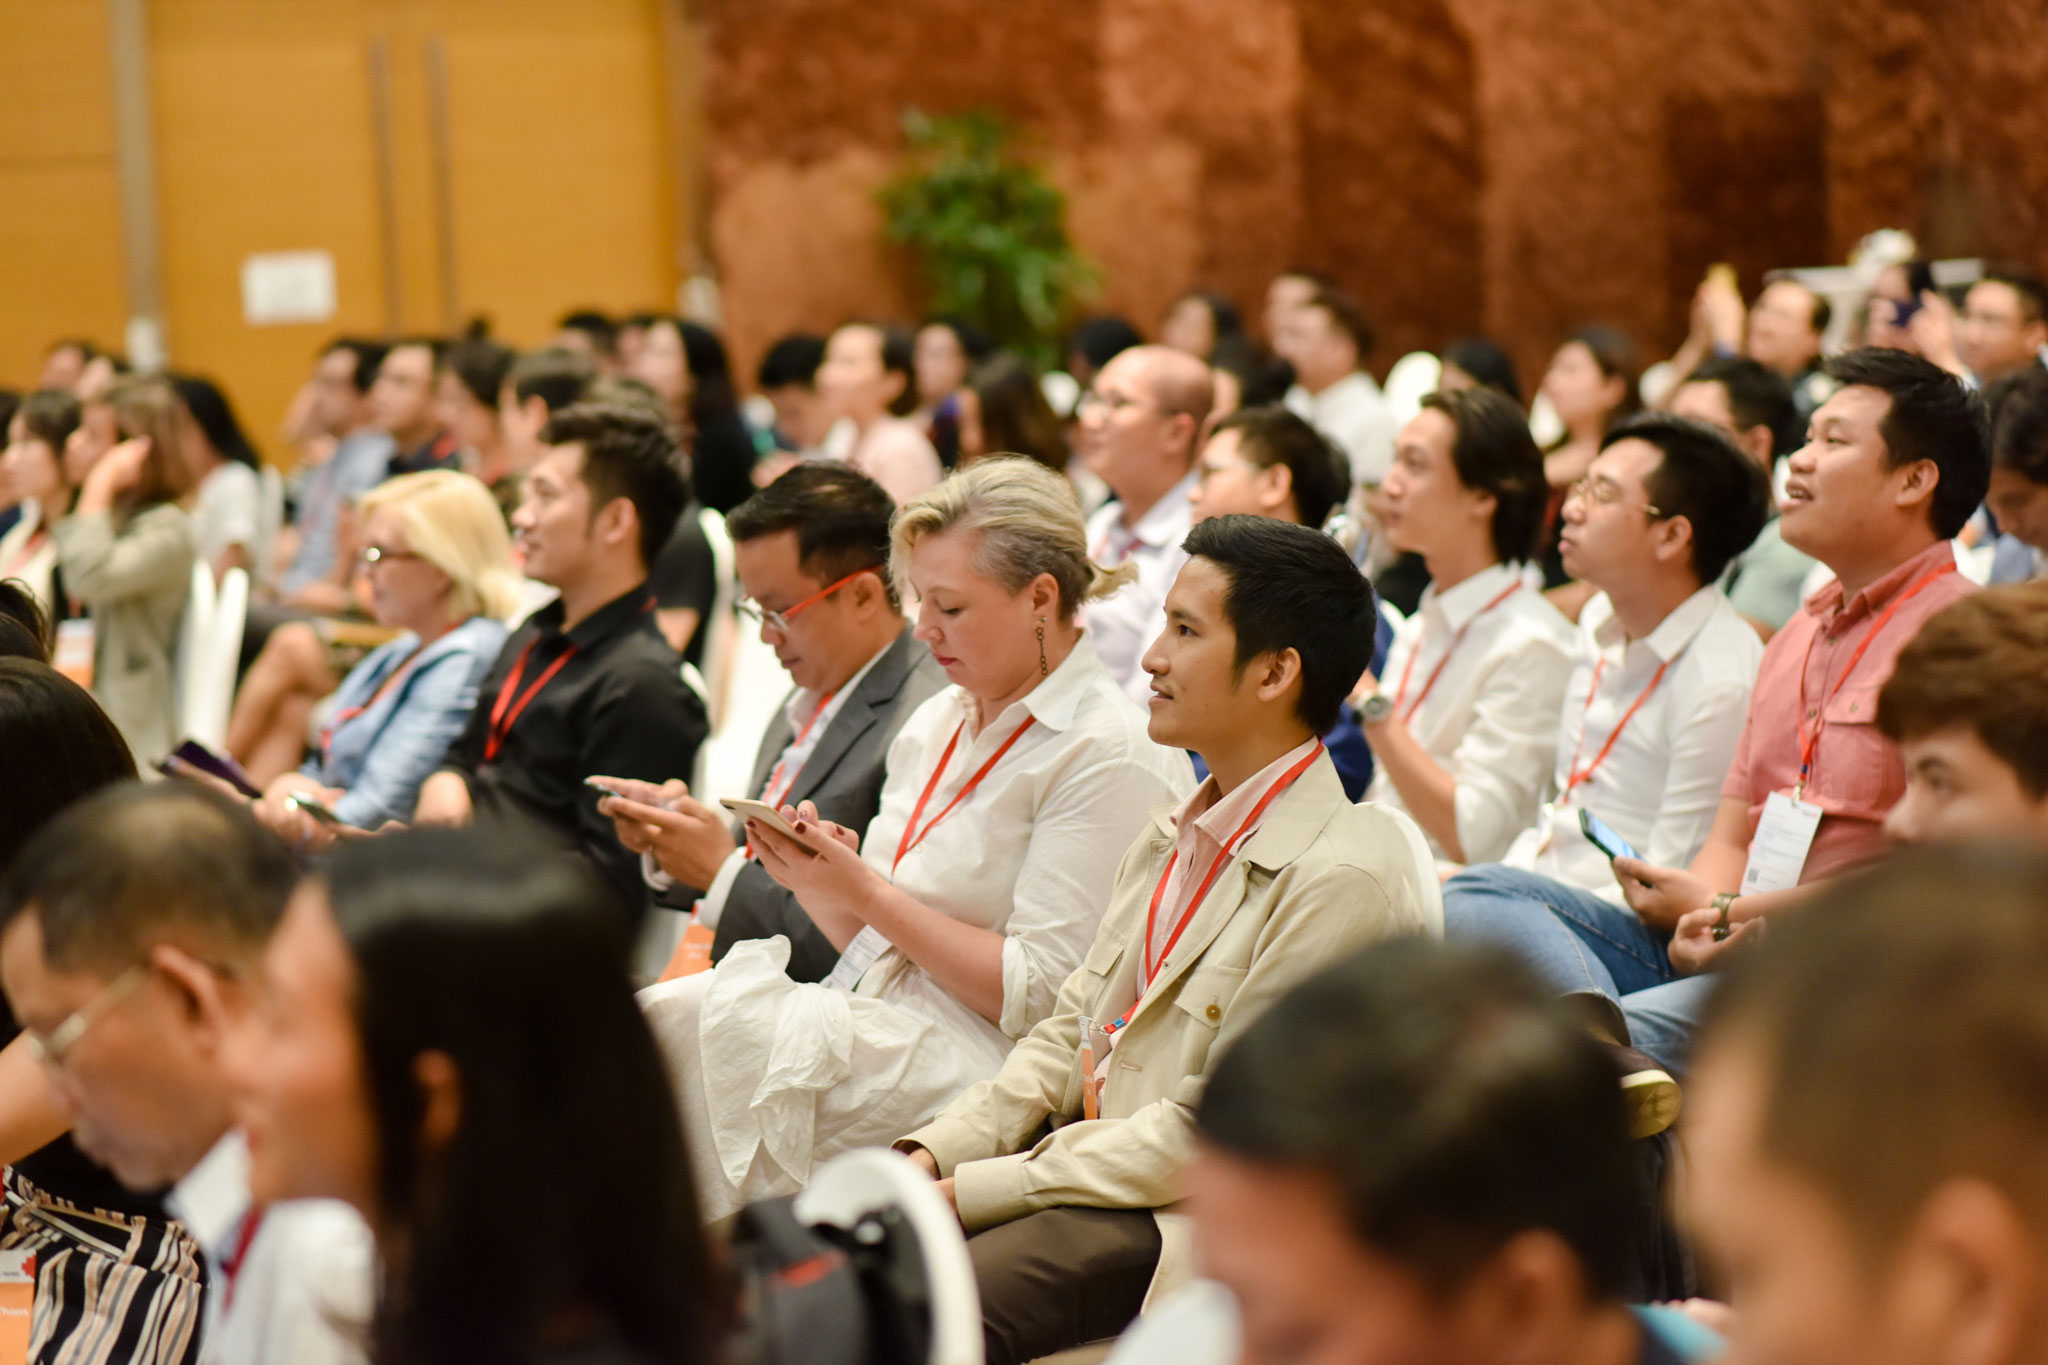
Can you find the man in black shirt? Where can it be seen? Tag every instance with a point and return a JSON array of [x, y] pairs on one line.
[[587, 685]]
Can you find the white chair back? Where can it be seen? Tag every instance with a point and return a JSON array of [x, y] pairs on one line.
[[188, 665], [718, 628], [872, 1180], [1414, 377], [207, 720]]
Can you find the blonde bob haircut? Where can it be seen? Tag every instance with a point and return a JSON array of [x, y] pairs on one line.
[[1026, 521], [453, 523]]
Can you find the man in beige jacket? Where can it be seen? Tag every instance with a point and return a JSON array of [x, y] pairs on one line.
[[1266, 873]]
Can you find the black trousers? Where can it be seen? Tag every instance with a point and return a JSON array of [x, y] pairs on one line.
[[1061, 1278]]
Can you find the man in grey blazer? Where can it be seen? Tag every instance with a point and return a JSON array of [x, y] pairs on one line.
[[812, 553]]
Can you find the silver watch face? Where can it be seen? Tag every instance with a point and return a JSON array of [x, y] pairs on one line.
[[1375, 708]]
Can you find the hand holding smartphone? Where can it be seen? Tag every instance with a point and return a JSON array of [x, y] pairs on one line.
[[316, 808], [1602, 836], [761, 813]]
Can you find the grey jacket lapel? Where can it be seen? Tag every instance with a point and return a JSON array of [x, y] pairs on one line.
[[876, 693]]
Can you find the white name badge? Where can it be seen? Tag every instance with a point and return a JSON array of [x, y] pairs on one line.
[[860, 955], [1777, 854]]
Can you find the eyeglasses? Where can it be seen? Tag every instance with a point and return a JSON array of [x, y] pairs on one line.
[[1205, 471], [377, 554], [778, 621], [1601, 493], [50, 1048], [1113, 403]]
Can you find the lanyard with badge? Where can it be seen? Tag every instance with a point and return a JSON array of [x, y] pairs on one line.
[[1784, 833], [1429, 684], [869, 944], [506, 711]]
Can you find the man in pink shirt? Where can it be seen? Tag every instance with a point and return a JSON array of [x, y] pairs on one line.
[[1895, 462]]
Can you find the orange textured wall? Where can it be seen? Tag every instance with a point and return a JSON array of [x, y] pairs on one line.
[[1510, 166]]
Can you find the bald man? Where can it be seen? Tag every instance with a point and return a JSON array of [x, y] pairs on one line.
[[1140, 421]]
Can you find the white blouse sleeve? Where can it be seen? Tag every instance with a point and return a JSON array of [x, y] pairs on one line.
[[1506, 755]]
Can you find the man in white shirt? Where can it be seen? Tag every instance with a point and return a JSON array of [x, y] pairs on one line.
[[1463, 727], [1326, 340], [132, 930], [1265, 873], [812, 553], [1140, 423], [1655, 707]]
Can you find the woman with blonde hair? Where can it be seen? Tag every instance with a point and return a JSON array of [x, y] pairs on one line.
[[1011, 798], [125, 552], [439, 566]]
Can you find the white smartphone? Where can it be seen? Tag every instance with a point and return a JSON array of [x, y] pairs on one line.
[[748, 809]]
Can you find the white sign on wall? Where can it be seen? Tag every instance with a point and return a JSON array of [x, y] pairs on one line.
[[287, 286]]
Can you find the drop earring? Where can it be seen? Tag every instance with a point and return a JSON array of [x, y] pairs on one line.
[[1042, 669]]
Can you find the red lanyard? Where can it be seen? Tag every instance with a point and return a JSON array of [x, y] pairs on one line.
[[1287, 779], [505, 712], [1437, 672], [908, 842], [347, 714], [37, 539], [1576, 776], [1809, 741], [777, 788], [231, 1264]]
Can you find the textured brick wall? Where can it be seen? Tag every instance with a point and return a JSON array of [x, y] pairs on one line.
[[1515, 167]]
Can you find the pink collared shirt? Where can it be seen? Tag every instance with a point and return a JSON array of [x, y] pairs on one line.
[[1857, 775]]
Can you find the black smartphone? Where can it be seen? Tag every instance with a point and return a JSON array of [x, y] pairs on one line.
[[197, 755], [1603, 837], [313, 807]]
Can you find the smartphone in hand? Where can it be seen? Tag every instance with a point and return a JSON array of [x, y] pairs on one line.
[[316, 808], [1602, 836]]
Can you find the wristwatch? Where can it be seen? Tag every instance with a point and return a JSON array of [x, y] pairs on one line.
[[1722, 902], [1375, 708]]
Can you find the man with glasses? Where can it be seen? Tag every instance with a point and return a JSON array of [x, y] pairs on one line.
[[130, 929], [1140, 423], [1658, 692], [812, 554]]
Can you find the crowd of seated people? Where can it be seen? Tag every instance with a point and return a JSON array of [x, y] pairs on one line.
[[1275, 852]]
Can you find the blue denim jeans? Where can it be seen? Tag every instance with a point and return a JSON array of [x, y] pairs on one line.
[[1575, 940], [1662, 1019]]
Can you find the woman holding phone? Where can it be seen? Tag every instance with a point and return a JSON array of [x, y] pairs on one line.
[[439, 565], [1011, 798]]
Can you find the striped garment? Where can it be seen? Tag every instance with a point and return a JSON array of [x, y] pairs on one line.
[[111, 1289]]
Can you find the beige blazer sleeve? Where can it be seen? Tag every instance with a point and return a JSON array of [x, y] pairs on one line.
[[153, 555]]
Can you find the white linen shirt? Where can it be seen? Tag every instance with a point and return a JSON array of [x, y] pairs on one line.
[[1660, 785], [1050, 823], [1491, 718], [304, 1289], [1126, 623], [1353, 413]]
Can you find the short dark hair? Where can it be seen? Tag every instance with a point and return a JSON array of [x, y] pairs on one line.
[[1905, 1003], [1823, 311], [556, 375], [1319, 472], [602, 331], [1493, 452], [1933, 417], [2033, 294], [1978, 662], [18, 608], [1758, 396], [1102, 338], [481, 365], [1451, 1099], [630, 455], [840, 516], [2019, 423], [368, 356], [435, 347], [1487, 362], [1292, 587], [50, 415], [1722, 493], [113, 873], [1349, 316], [56, 746], [793, 359], [462, 942]]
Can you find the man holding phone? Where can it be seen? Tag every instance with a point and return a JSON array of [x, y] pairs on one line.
[[812, 554], [1652, 713], [1265, 874]]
